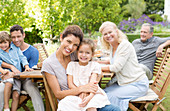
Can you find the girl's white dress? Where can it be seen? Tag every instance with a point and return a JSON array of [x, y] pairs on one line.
[[81, 76]]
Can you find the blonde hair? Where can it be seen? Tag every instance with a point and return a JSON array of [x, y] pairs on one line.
[[121, 35], [4, 36]]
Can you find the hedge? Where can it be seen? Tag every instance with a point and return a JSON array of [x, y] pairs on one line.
[[132, 36]]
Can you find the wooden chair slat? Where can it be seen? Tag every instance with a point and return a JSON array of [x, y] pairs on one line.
[[161, 82]]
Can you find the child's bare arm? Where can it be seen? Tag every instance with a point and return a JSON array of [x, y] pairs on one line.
[[93, 77]]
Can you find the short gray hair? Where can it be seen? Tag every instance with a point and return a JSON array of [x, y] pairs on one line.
[[151, 27]]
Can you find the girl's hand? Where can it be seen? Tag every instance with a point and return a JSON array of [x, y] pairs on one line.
[[85, 101], [83, 95]]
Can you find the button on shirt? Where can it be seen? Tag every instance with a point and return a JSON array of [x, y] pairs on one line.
[[14, 57]]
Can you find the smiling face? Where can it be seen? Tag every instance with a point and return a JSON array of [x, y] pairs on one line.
[[69, 44], [110, 34], [84, 54], [4, 45], [145, 33], [17, 38]]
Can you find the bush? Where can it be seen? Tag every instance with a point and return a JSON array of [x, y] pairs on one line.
[[33, 36], [155, 17], [132, 37]]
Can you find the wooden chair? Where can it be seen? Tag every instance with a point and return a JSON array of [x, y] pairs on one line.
[[48, 94], [105, 78], [157, 90], [24, 97], [42, 53]]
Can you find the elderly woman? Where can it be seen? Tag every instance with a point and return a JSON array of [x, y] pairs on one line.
[[132, 81]]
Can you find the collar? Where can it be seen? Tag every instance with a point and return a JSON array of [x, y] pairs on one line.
[[11, 47], [148, 40]]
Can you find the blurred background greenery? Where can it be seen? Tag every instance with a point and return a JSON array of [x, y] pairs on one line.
[[47, 18]]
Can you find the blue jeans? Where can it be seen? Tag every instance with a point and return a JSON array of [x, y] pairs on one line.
[[109, 108]]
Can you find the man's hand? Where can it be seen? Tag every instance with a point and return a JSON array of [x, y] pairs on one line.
[[159, 51], [15, 70], [5, 71], [160, 48], [27, 68]]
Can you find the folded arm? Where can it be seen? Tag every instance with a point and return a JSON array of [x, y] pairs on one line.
[[160, 48]]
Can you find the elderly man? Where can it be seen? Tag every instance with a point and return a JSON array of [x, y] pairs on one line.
[[148, 47]]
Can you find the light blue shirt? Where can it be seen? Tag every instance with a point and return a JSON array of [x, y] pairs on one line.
[[14, 57]]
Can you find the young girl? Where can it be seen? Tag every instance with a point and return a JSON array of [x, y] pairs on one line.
[[11, 54], [81, 73]]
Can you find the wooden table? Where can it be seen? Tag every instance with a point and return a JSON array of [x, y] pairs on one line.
[[36, 76]]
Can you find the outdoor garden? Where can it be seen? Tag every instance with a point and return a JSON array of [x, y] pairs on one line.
[[48, 18]]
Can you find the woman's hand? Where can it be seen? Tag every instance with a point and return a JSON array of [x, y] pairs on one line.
[[90, 87]]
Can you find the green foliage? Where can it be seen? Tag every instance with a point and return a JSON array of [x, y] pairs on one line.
[[89, 14], [33, 36], [135, 8], [132, 37], [12, 12], [156, 17], [154, 6]]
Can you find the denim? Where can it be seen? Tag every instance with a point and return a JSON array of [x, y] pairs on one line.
[[109, 108], [14, 57]]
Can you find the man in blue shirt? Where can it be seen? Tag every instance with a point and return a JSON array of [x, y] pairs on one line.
[[32, 55], [148, 47]]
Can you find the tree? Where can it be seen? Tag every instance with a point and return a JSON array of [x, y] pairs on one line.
[[154, 6], [135, 8], [89, 14], [52, 16], [12, 12]]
